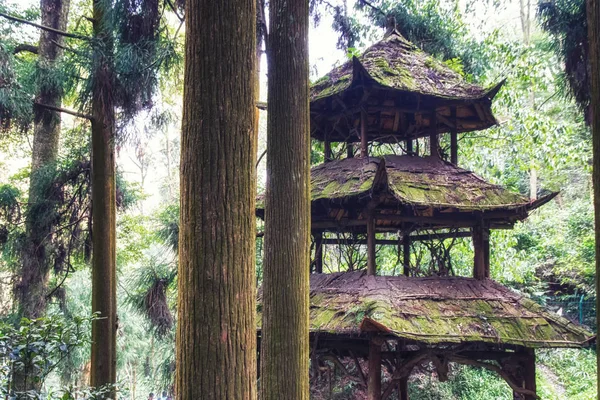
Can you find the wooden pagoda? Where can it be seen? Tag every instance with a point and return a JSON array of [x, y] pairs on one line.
[[396, 93]]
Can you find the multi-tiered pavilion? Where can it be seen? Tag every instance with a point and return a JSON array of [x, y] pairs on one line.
[[395, 96]]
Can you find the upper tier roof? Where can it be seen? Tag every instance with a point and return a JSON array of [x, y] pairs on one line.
[[404, 189], [435, 310], [395, 75]]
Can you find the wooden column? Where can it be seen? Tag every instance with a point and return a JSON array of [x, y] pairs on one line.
[[350, 150], [527, 378], [406, 252], [481, 246], [454, 138], [327, 154], [364, 144], [403, 388], [371, 266], [318, 252], [486, 250], [433, 138], [374, 384], [409, 146]]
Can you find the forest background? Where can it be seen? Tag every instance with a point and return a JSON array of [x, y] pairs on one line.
[[542, 144]]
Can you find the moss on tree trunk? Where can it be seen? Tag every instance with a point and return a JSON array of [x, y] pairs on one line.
[[593, 14], [216, 332], [104, 330], [32, 286], [284, 345]]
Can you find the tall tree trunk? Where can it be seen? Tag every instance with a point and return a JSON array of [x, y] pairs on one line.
[[284, 345], [593, 14], [31, 289], [216, 332], [104, 330]]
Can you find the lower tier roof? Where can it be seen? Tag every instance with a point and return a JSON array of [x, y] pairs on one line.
[[435, 311]]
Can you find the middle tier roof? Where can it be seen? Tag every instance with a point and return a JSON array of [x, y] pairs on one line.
[[404, 191]]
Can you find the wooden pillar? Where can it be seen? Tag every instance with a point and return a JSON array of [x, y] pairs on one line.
[[371, 267], [486, 250], [327, 155], [433, 137], [406, 252], [318, 252], [403, 388], [527, 378], [374, 384], [409, 146], [479, 267], [454, 138], [364, 144], [350, 150]]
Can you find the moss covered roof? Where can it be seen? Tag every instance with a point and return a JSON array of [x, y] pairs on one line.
[[396, 63], [435, 311], [411, 180]]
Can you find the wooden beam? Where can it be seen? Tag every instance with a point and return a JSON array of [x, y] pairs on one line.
[[453, 138], [318, 252], [364, 144], [371, 266], [374, 384], [394, 242]]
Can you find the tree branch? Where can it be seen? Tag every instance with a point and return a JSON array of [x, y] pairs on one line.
[[374, 7], [172, 6], [44, 28], [25, 47], [64, 110]]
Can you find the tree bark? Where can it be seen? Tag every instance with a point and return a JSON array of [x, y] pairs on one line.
[[31, 289], [593, 14], [216, 332], [104, 330], [285, 348]]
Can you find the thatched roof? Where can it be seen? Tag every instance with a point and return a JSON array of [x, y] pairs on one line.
[[435, 311], [410, 186], [394, 76]]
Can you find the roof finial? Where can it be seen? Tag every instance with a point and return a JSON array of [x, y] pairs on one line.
[[390, 25]]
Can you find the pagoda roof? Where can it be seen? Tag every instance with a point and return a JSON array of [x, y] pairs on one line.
[[435, 310], [393, 71], [412, 187], [396, 63]]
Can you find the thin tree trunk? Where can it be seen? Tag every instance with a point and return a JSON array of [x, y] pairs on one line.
[[593, 14], [31, 289], [285, 349], [216, 332], [104, 330]]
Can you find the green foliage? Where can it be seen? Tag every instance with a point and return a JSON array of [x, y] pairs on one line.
[[15, 100], [566, 21], [34, 348], [168, 221], [9, 203], [574, 371], [436, 27]]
